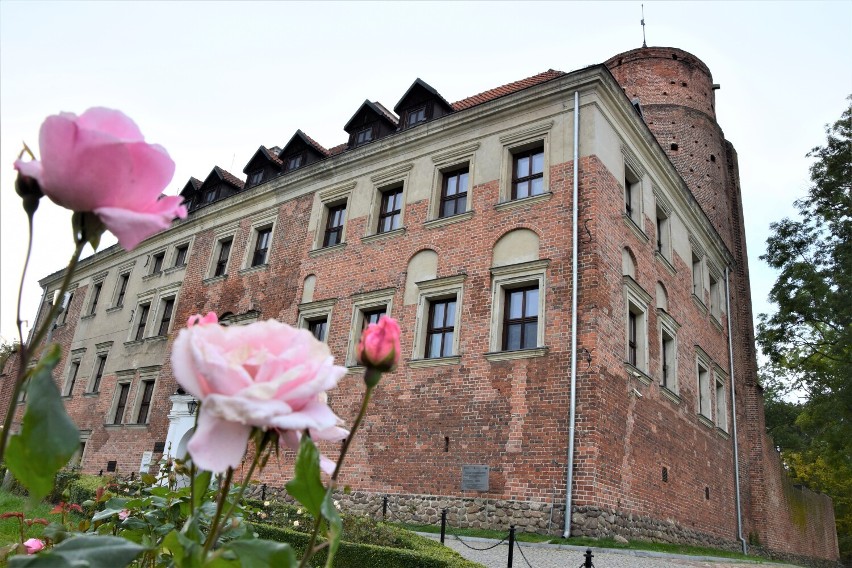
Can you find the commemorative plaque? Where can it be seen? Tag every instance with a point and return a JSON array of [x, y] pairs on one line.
[[475, 478]]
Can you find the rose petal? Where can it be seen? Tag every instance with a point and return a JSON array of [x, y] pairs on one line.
[[217, 444], [133, 227]]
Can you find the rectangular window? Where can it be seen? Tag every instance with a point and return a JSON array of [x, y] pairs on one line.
[[697, 284], [703, 391], [721, 406], [528, 173], [668, 360], [319, 328], [72, 377], [180, 255], [122, 289], [715, 300], [373, 316], [631, 338], [294, 162], [391, 209], [211, 194], [663, 244], [168, 306], [157, 262], [440, 330], [140, 322], [96, 294], [121, 403], [520, 313], [261, 246], [222, 257], [364, 135], [145, 404], [256, 177], [454, 193], [334, 225], [99, 373], [416, 116], [66, 305]]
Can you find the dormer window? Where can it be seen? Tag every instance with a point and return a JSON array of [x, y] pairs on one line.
[[363, 136], [295, 161], [256, 177], [210, 195], [415, 116]]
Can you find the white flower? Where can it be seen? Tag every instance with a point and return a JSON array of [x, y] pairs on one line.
[[337, 504], [298, 511], [295, 523], [266, 503]]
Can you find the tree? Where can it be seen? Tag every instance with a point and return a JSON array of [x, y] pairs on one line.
[[808, 340]]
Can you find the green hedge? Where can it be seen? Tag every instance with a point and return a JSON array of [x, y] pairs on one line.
[[424, 553]]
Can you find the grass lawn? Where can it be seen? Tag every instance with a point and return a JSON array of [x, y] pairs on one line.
[[10, 528], [589, 542]]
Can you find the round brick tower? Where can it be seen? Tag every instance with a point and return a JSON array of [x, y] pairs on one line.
[[677, 97]]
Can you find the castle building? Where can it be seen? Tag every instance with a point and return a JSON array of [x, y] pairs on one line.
[[566, 257]]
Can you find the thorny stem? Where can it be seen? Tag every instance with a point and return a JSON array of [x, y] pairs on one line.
[[24, 361], [310, 550]]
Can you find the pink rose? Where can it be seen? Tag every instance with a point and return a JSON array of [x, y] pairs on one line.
[[33, 545], [99, 162], [379, 346], [123, 514], [264, 375]]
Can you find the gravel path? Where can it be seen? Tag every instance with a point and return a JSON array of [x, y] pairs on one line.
[[534, 555]]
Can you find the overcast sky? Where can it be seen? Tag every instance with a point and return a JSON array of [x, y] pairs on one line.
[[211, 81]]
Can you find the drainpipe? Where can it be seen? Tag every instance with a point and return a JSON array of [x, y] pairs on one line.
[[569, 481], [734, 412]]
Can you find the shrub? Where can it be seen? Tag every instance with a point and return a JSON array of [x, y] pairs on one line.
[[84, 488], [64, 478]]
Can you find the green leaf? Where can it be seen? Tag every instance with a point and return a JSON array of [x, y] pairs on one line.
[[48, 437], [90, 551], [200, 486], [335, 526], [105, 514], [306, 486], [263, 553], [148, 479]]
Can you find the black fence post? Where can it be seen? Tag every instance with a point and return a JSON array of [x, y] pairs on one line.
[[263, 492], [384, 507], [588, 556], [511, 544], [443, 524]]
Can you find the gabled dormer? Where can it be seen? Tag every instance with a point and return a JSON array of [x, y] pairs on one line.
[[300, 151], [218, 185], [419, 104], [371, 122], [264, 165], [190, 193]]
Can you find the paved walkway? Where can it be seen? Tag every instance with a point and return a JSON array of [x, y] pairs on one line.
[[540, 555]]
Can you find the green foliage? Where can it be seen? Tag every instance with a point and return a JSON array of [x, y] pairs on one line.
[[306, 486], [84, 488], [88, 550], [48, 437], [808, 341]]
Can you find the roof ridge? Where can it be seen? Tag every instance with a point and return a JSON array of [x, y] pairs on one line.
[[507, 89]]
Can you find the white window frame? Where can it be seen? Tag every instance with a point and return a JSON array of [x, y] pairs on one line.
[[361, 303], [520, 141], [325, 200], [388, 180], [670, 327], [636, 300], [429, 291], [257, 226], [508, 277], [720, 380], [633, 169], [448, 162], [703, 362], [313, 311]]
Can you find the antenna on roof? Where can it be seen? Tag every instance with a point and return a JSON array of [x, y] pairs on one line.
[[643, 26]]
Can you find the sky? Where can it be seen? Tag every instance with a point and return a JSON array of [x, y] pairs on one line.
[[211, 81]]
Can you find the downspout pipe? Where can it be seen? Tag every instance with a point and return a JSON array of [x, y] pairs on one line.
[[734, 412], [569, 476]]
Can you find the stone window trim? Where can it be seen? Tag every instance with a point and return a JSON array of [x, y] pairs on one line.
[[176, 256], [221, 240], [361, 303], [520, 275], [703, 376], [668, 326], [257, 227], [326, 200], [72, 374], [148, 376], [720, 398], [101, 353], [313, 311], [96, 296], [698, 262], [633, 197], [636, 302], [120, 291], [519, 141], [715, 298], [120, 398], [663, 215], [429, 291], [448, 162], [155, 263], [388, 180]]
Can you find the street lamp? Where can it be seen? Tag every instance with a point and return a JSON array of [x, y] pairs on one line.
[[192, 406]]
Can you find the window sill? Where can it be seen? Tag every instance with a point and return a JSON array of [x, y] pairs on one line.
[[354, 369], [87, 317], [434, 362], [175, 269], [442, 221], [152, 276], [699, 304], [511, 204], [706, 421], [665, 262], [638, 373], [634, 226], [670, 394], [113, 426], [723, 433], [114, 309], [715, 321], [326, 250], [381, 236], [91, 394], [213, 279], [134, 342], [496, 356], [155, 338], [67, 396], [135, 426], [257, 268]]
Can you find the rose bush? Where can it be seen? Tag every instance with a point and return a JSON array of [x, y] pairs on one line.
[[99, 162], [33, 545], [379, 346], [266, 375]]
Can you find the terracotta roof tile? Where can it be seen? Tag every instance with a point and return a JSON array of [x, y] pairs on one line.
[[337, 149], [229, 177], [272, 155], [196, 183], [508, 89], [321, 149], [390, 116]]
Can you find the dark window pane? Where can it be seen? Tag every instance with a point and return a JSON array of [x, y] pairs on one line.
[[513, 337], [530, 335]]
